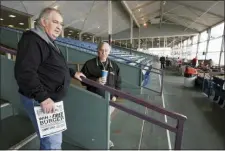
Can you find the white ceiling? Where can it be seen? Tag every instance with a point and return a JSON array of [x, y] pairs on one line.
[[195, 15], [89, 15]]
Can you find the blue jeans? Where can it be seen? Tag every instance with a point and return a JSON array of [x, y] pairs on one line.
[[46, 143]]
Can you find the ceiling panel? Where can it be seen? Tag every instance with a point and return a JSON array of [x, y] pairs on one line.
[[14, 5], [204, 5], [34, 7]]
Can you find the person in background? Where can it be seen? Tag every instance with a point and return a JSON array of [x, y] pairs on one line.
[[92, 69], [41, 71], [194, 62], [162, 61], [211, 63]]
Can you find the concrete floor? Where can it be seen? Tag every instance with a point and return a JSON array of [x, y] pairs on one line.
[[204, 129]]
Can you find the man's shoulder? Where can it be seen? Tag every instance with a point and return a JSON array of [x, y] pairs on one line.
[[91, 61], [114, 64], [29, 35]]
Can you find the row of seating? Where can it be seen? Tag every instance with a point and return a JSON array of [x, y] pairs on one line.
[[214, 89], [116, 53], [93, 46]]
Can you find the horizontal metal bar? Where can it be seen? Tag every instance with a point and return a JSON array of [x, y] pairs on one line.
[[142, 116], [124, 95]]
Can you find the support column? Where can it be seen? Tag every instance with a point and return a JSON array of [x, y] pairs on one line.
[[110, 22], [93, 39], [173, 47], [131, 33], [222, 48], [62, 34], [139, 42], [80, 38], [181, 47], [152, 43], [191, 46], [31, 22], [159, 41], [199, 36], [164, 42], [207, 45]]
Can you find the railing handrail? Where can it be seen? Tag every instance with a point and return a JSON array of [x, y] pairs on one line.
[[181, 118], [117, 92]]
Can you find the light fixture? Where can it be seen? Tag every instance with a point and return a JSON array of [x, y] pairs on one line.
[[98, 26], [145, 24], [1, 19], [70, 31], [78, 33], [56, 7], [27, 29], [21, 23], [69, 34], [12, 16], [10, 25], [139, 10]]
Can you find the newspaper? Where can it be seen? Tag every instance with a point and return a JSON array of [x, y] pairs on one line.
[[51, 123]]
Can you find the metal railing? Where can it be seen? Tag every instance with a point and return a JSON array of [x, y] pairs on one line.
[[178, 130]]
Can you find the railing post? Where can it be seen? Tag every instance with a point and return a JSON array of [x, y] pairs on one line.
[[67, 53], [107, 97], [179, 134], [162, 83], [141, 79]]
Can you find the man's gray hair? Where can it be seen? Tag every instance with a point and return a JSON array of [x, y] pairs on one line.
[[45, 14], [101, 44]]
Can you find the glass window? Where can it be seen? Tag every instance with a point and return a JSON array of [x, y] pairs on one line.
[[214, 56], [222, 59], [195, 39], [200, 56], [189, 41], [204, 36], [194, 51], [215, 45], [217, 31], [202, 47]]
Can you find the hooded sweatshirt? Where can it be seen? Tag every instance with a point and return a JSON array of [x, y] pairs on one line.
[[40, 68]]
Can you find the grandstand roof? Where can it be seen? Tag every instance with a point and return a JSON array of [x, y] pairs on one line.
[[92, 16]]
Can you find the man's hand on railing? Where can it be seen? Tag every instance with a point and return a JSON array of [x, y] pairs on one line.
[[114, 98], [78, 75]]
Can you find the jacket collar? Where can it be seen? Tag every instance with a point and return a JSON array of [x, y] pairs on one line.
[[107, 61], [41, 33]]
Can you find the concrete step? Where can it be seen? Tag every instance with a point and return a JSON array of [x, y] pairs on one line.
[[14, 129], [6, 109]]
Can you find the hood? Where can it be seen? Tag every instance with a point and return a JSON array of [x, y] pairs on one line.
[[41, 33]]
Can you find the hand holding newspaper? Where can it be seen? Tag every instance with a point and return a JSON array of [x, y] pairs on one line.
[[51, 123]]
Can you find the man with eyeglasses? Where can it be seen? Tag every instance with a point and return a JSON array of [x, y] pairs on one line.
[[92, 69], [41, 71]]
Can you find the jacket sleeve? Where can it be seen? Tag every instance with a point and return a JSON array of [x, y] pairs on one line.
[[72, 72], [29, 57], [86, 72]]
